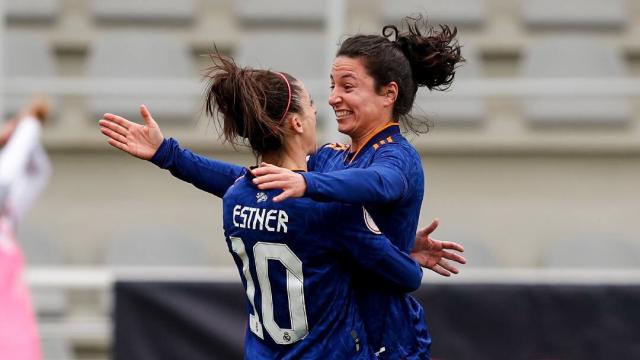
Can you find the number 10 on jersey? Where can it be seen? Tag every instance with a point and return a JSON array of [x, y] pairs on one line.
[[262, 253]]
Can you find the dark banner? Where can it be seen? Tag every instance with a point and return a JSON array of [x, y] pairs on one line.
[[193, 321]]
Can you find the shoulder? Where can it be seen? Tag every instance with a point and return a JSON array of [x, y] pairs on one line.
[[330, 149], [397, 147], [326, 154], [240, 184], [336, 146]]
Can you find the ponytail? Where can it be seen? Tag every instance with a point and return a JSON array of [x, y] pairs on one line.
[[432, 54], [421, 56], [250, 104]]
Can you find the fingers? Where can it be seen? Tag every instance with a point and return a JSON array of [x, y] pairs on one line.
[[440, 270], [113, 135], [113, 127], [452, 246], [146, 116], [447, 266], [263, 179], [273, 185], [118, 120], [284, 196], [266, 169], [454, 257], [429, 229], [118, 145]]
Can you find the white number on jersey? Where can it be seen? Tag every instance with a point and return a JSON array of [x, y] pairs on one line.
[[262, 253]]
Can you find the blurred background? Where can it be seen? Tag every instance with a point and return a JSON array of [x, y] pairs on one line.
[[532, 162]]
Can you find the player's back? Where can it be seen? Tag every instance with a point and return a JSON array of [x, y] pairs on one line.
[[298, 284]]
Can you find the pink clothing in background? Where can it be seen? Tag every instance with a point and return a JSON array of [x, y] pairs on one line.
[[24, 170], [18, 334]]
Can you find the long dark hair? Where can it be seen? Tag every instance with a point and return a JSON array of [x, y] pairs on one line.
[[422, 55], [250, 104]]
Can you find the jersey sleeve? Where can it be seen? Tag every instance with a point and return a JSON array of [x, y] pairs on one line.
[[373, 252], [212, 176], [24, 167], [383, 181], [31, 182]]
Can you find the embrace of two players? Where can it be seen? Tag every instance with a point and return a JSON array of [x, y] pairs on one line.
[[333, 282]]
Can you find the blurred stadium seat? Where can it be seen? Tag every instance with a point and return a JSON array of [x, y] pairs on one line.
[[592, 251], [137, 55], [149, 246], [56, 348], [575, 57], [32, 10], [478, 254], [459, 12], [26, 55], [568, 13], [41, 250], [280, 12], [156, 11], [295, 52], [445, 109]]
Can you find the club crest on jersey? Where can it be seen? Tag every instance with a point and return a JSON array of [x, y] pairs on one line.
[[371, 225], [261, 197]]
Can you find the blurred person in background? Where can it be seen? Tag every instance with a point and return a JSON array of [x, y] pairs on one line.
[[24, 171]]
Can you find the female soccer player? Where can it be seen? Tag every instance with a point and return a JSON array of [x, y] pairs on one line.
[[375, 81], [24, 170]]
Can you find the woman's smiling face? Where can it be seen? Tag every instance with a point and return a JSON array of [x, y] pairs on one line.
[[357, 105]]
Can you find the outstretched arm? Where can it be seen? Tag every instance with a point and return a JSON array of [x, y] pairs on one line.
[[147, 142]]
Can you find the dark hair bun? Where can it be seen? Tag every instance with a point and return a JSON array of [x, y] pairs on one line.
[[432, 52]]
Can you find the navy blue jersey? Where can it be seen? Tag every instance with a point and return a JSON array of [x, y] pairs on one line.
[[296, 259], [386, 176]]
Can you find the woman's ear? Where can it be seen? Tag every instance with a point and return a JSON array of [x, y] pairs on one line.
[[390, 93], [295, 124]]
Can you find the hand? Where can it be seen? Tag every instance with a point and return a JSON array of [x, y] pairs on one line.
[[432, 253], [269, 176], [141, 141], [39, 108]]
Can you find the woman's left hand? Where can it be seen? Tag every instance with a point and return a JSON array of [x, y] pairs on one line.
[[269, 177], [433, 254]]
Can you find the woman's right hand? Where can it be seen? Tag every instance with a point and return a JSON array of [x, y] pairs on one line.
[[141, 141]]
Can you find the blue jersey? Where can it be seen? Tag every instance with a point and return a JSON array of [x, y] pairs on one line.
[[386, 176], [296, 259]]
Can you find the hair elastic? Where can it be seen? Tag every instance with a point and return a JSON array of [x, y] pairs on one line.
[[288, 101]]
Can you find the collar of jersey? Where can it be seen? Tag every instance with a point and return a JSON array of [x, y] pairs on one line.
[[387, 130]]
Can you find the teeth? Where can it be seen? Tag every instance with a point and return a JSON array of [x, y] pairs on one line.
[[341, 113]]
